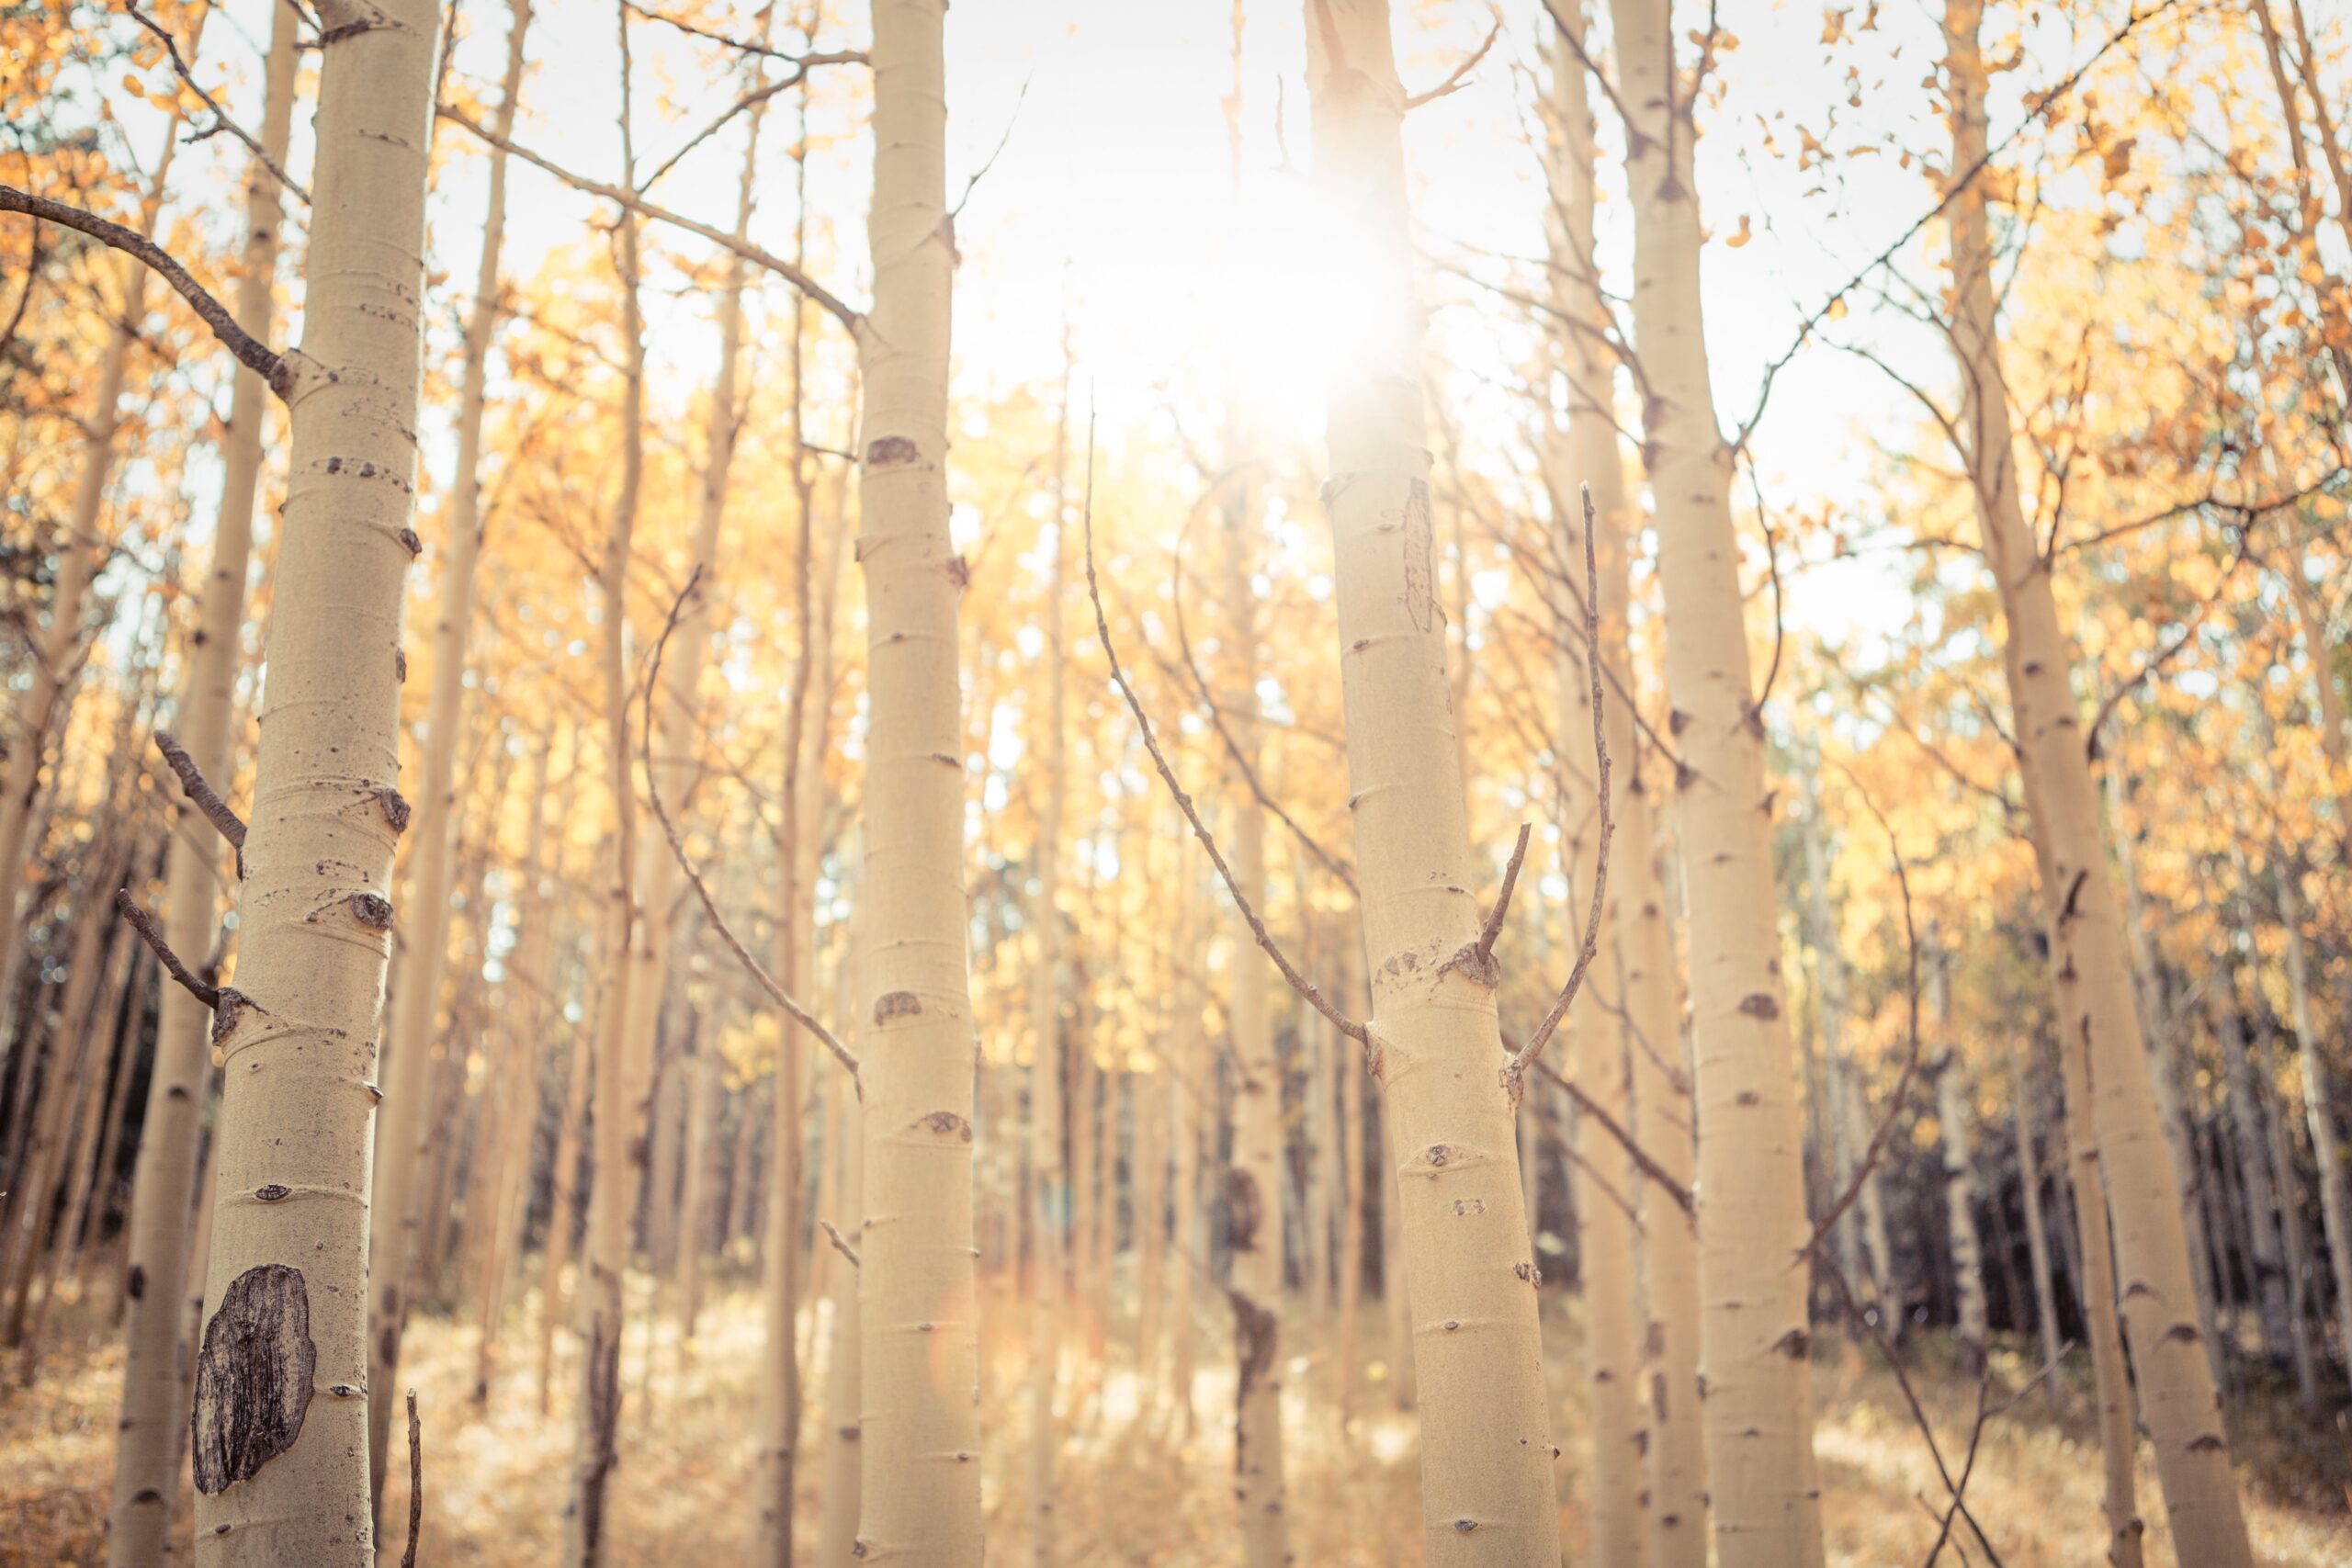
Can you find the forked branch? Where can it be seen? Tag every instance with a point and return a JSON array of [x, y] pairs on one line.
[[1308, 990], [1515, 1070], [766, 982]]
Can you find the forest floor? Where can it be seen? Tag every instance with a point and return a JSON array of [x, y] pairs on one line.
[[496, 1476]]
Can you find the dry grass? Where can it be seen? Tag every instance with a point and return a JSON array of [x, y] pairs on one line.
[[1140, 1490]]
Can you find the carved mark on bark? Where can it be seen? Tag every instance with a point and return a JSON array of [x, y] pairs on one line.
[[1420, 566], [897, 1004], [252, 1376]]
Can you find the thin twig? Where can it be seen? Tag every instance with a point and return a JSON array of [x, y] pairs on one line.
[[221, 120], [1658, 1175], [1494, 927], [766, 981], [252, 352], [1308, 990], [841, 1244], [145, 924], [415, 1482], [1515, 1070], [752, 99], [1460, 77], [1001, 143], [818, 294], [1876, 1149]]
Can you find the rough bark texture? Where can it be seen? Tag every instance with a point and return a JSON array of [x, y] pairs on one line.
[[407, 1132], [296, 1040], [1755, 1347], [920, 1327], [1487, 1454], [2179, 1402]]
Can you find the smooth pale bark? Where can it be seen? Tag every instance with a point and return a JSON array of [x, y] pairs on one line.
[[2037, 1228], [694, 1195], [1317, 1039], [518, 1090], [2250, 1144], [1755, 1342], [1188, 1072], [2294, 1232], [1050, 1182], [2336, 1207], [1348, 1069], [1255, 1181], [407, 1133], [1601, 1048], [841, 1448], [1954, 1117], [156, 1263], [622, 1062], [1149, 1104], [564, 1193], [1675, 1472], [2165, 1070], [1487, 1454], [298, 1048], [2178, 1401], [919, 1329]]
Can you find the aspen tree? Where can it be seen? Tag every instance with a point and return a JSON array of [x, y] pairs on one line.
[[1959, 1211], [1600, 1062], [918, 1333], [1875, 1281], [156, 1262], [621, 1062], [2336, 1207], [564, 1192], [2037, 1229], [2249, 1144], [405, 1132], [280, 1433], [1346, 1071], [843, 1457], [1187, 1072], [1486, 1455], [1254, 1183], [1049, 1180], [2178, 1398], [1755, 1342]]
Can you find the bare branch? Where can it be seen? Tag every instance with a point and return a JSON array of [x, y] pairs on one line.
[[1308, 990], [752, 99], [751, 965], [1494, 927], [1001, 143], [252, 352], [1876, 1150], [145, 924], [1515, 1070], [221, 120], [841, 1244], [818, 294], [2165, 655], [415, 1483], [203, 796], [1654, 1172], [1460, 77]]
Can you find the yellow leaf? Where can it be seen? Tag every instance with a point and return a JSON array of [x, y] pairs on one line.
[[1744, 235]]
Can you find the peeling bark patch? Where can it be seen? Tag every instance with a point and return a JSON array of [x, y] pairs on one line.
[[1759, 1004], [273, 1192], [959, 571], [396, 807], [1465, 1526], [1528, 1273], [1243, 1210], [946, 1123], [1421, 567], [897, 1004], [891, 451], [252, 1376], [415, 545], [399, 665]]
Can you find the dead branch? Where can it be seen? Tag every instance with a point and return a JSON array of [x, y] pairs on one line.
[[802, 65], [145, 924], [818, 293], [841, 1244], [221, 120], [272, 368], [1515, 1070], [202, 796], [1657, 1174], [751, 965], [415, 1483], [1460, 77], [1876, 1149], [1308, 990], [1494, 927]]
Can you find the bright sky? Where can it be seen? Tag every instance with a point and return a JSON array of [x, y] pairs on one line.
[[1112, 202]]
